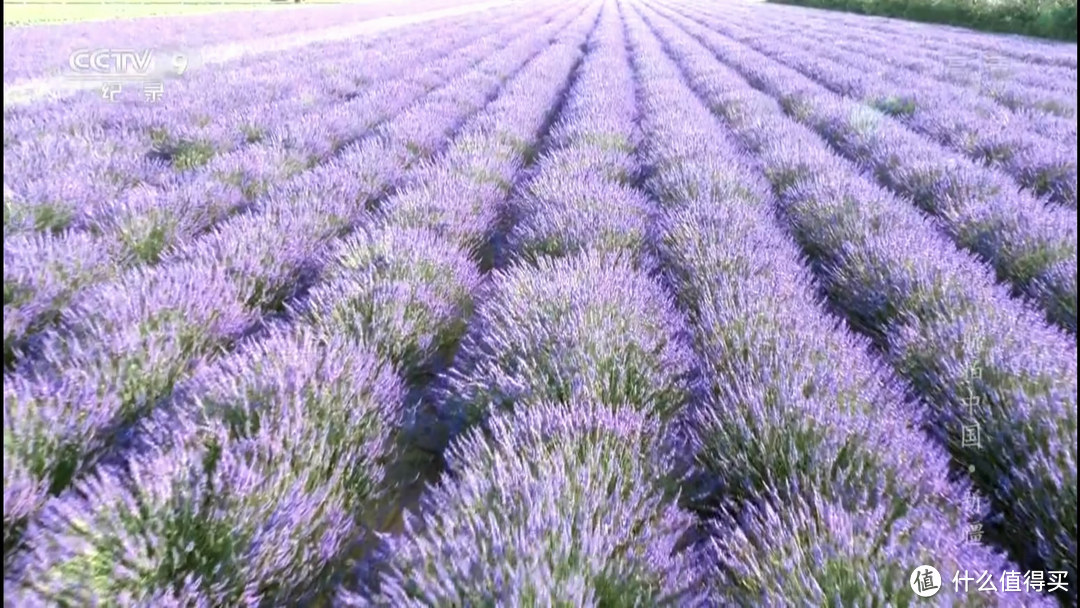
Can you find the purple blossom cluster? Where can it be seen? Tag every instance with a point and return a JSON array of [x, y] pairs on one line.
[[555, 505], [405, 291], [1024, 241], [589, 326], [253, 495], [136, 339], [785, 444], [972, 353], [143, 337]]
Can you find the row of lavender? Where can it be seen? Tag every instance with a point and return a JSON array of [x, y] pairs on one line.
[[1008, 81], [34, 52], [1042, 54], [555, 402], [141, 341], [125, 144], [824, 490], [975, 355], [124, 223], [1037, 150], [576, 360], [1009, 70], [335, 71], [1029, 245], [340, 70]]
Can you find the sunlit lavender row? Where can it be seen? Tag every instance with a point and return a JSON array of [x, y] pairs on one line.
[[575, 303]]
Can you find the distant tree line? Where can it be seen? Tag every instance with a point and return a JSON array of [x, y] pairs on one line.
[[1044, 18]]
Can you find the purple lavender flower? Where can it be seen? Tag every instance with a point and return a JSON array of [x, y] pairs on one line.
[[191, 305], [322, 400], [584, 162], [807, 551], [41, 274], [562, 217], [239, 529], [590, 325], [458, 208], [267, 257], [407, 292], [127, 346], [256, 169], [560, 505]]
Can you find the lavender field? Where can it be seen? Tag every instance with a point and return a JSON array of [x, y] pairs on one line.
[[568, 303]]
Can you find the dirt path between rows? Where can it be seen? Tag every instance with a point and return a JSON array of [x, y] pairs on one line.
[[59, 87]]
